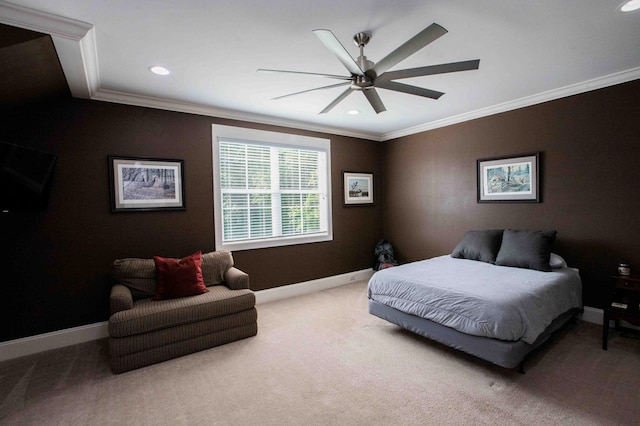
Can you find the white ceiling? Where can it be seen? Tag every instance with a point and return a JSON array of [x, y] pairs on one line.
[[529, 51]]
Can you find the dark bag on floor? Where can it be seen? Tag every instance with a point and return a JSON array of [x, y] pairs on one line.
[[383, 256]]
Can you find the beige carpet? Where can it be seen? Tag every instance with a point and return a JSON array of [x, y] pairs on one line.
[[321, 359]]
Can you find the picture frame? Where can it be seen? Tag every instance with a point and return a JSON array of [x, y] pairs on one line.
[[357, 188], [146, 184], [513, 179]]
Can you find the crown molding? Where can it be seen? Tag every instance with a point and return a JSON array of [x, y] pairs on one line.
[[550, 95], [74, 42], [191, 108], [36, 20]]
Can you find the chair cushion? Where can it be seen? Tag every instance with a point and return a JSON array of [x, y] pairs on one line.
[[120, 346], [148, 315]]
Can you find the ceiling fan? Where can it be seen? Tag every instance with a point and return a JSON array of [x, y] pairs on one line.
[[365, 76]]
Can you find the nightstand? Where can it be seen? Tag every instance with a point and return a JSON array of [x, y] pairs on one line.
[[623, 303]]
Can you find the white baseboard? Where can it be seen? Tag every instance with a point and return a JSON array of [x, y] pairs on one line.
[[596, 316], [72, 336], [286, 291], [593, 315], [54, 340]]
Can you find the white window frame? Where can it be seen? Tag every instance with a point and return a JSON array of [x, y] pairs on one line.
[[222, 132]]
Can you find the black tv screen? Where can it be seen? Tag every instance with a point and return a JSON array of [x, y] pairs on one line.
[[25, 175]]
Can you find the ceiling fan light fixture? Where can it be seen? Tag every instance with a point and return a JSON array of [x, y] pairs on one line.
[[353, 112], [630, 6], [159, 70]]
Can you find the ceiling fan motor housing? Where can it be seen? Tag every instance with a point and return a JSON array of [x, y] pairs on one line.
[[361, 82]]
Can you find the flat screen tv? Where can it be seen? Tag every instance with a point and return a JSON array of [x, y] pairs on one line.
[[25, 177]]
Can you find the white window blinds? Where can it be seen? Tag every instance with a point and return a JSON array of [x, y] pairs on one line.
[[268, 192]]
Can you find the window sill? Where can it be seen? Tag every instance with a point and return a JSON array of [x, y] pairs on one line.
[[273, 242]]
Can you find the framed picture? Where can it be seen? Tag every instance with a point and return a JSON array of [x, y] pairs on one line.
[[509, 179], [146, 184], [357, 188]]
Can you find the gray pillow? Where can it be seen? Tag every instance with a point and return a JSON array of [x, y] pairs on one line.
[[480, 245], [526, 249]]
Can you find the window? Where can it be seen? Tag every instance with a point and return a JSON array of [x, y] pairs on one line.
[[270, 189]]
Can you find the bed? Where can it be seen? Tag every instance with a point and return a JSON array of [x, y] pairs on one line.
[[499, 295]]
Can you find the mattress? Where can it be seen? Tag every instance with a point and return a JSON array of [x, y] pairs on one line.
[[478, 298]]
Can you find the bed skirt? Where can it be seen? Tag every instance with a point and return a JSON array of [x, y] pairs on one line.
[[503, 353]]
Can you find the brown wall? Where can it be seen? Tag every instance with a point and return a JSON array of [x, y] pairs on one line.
[[56, 262], [590, 181]]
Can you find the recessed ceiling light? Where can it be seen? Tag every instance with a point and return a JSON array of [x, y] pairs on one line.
[[630, 6], [353, 112], [157, 69]]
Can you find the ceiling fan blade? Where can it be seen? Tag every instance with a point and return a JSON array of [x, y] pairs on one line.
[[374, 99], [310, 74], [311, 90], [334, 45], [412, 90], [430, 70], [411, 46], [337, 100]]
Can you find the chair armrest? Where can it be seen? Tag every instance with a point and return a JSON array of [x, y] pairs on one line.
[[236, 279], [120, 299]]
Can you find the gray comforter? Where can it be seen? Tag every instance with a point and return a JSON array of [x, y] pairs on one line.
[[479, 298]]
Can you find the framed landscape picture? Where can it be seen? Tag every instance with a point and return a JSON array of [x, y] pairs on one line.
[[358, 188], [146, 184], [509, 179]]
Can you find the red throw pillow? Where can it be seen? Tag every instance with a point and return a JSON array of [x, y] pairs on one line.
[[179, 277]]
